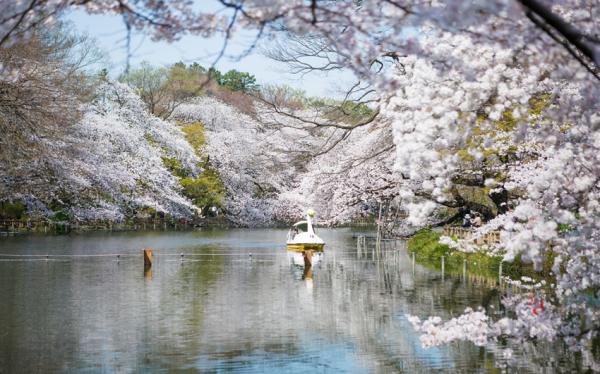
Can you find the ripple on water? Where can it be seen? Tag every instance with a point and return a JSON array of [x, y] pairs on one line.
[[225, 311]]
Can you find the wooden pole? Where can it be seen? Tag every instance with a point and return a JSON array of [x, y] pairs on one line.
[[147, 257], [378, 242], [307, 258], [500, 274], [308, 273], [443, 267]]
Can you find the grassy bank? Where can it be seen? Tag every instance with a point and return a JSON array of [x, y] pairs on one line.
[[428, 252]]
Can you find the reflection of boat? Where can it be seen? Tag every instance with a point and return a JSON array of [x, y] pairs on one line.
[[302, 238]]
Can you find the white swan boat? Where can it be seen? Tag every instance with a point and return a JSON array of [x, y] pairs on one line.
[[302, 238]]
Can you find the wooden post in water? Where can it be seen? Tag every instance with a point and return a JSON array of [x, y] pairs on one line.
[[363, 247], [378, 241], [307, 258], [147, 258], [465, 270], [443, 266]]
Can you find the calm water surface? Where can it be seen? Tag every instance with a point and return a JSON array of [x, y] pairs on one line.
[[222, 310]]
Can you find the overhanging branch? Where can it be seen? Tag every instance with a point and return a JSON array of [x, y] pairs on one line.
[[568, 36]]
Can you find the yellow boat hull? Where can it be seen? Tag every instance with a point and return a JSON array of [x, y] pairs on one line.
[[306, 247]]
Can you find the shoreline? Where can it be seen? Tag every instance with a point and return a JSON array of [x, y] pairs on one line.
[[429, 252], [14, 227], [17, 227]]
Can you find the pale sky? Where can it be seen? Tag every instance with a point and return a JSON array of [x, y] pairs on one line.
[[109, 32]]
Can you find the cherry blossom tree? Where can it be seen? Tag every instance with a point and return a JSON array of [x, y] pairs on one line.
[[445, 73], [110, 165], [253, 160]]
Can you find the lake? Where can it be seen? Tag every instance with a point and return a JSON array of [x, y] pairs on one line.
[[234, 304]]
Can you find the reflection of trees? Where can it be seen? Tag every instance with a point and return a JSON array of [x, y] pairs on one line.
[[95, 313], [361, 303], [265, 306], [148, 323], [230, 310]]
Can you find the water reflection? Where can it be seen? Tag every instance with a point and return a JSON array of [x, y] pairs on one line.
[[224, 310], [148, 272], [307, 275]]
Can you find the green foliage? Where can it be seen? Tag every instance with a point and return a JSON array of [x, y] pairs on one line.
[[354, 112], [344, 111], [428, 251], [238, 81], [60, 216], [538, 103], [184, 82], [501, 127], [175, 166], [215, 75], [163, 89], [507, 122], [196, 67], [12, 210], [564, 228], [147, 211], [194, 133], [207, 189], [425, 243], [204, 190]]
